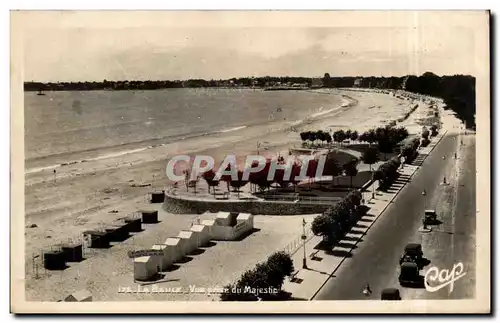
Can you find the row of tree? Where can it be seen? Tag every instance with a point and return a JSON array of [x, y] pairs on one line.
[[409, 150], [264, 282], [260, 180], [457, 91], [338, 136], [337, 219], [386, 137], [387, 172]]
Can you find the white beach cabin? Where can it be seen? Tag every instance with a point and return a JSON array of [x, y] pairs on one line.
[[244, 223], [163, 261], [202, 233], [209, 224], [189, 240], [82, 295], [144, 268], [223, 218], [174, 250]]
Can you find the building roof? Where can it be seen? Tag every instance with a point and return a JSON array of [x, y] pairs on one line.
[[185, 234], [172, 241], [223, 215], [244, 216], [198, 228], [142, 259], [158, 247], [208, 222]]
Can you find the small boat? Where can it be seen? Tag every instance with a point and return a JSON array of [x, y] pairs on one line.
[[40, 92]]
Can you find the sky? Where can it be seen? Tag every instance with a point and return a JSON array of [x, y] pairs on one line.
[[79, 46]]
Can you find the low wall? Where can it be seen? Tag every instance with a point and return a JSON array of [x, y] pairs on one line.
[[179, 205]]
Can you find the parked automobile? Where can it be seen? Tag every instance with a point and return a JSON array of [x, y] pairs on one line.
[[430, 217], [412, 253], [390, 294], [409, 274]]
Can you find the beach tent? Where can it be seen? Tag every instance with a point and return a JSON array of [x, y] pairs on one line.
[[223, 218], [144, 268], [174, 250], [189, 240], [82, 295], [203, 234]]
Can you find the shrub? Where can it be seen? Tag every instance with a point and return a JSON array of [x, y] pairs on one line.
[[387, 172], [267, 275], [425, 142], [434, 130]]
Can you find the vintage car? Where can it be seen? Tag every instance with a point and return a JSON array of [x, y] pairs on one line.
[[430, 217], [390, 294], [409, 274], [413, 253]]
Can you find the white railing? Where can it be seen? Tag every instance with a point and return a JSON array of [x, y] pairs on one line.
[[293, 246]]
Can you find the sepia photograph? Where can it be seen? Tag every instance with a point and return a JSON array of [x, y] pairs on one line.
[[250, 162]]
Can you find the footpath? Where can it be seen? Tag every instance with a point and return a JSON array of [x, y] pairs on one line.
[[306, 283]]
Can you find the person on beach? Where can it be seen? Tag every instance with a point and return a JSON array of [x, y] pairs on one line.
[[367, 291]]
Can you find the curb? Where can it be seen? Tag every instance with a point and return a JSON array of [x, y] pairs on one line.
[[369, 227]]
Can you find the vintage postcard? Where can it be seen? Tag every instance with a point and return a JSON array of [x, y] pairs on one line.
[[250, 162]]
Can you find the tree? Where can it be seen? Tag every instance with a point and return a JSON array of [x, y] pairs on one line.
[[425, 142], [227, 177], [425, 134], [354, 198], [354, 135], [260, 178], [332, 167], [312, 137], [323, 225], [339, 136], [434, 130], [209, 176], [351, 168], [233, 292], [279, 265], [237, 184], [312, 166], [348, 134], [282, 262], [370, 156], [328, 138]]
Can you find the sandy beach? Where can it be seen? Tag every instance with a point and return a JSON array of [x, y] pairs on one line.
[[81, 196]]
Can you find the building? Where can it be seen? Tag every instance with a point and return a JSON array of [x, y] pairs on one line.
[[358, 82], [317, 82]]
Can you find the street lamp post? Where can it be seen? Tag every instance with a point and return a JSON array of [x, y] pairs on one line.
[[373, 185], [424, 194], [304, 261], [258, 146]]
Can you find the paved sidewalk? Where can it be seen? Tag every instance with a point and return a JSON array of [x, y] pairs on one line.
[[309, 281]]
